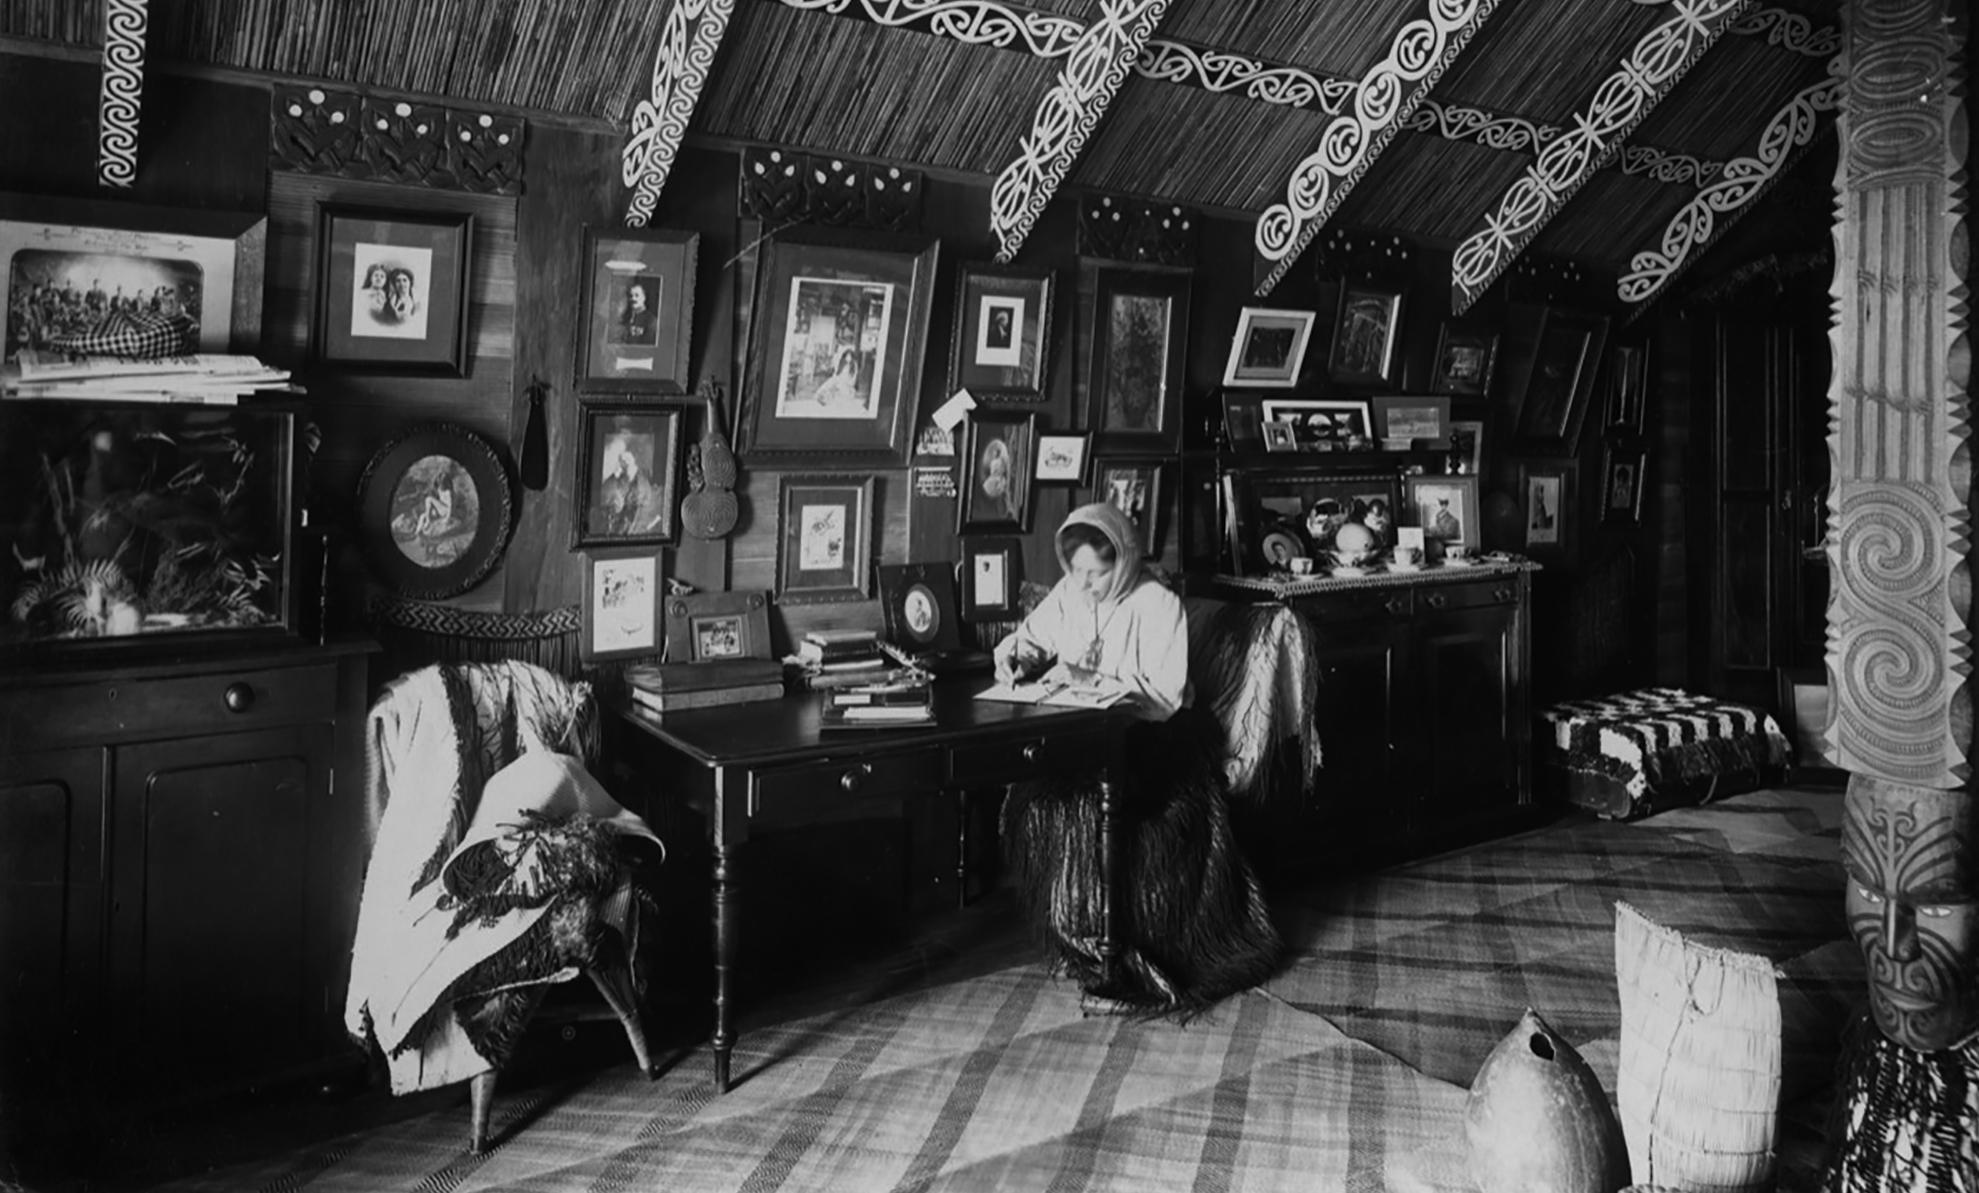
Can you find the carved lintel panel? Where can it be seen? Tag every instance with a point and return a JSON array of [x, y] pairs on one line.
[[122, 94], [781, 186], [1123, 229], [317, 130], [1899, 645]]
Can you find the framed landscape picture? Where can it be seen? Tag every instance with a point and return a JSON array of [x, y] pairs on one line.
[[1424, 421], [391, 289], [1002, 342], [1364, 336], [1269, 348], [825, 540], [638, 312], [1139, 343]]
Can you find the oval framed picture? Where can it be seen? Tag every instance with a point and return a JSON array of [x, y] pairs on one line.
[[434, 511]]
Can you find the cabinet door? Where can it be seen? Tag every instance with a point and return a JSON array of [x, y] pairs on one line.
[[211, 898], [51, 900], [1359, 785], [1465, 733]]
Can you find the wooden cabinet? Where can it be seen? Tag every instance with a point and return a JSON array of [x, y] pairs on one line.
[[181, 851]]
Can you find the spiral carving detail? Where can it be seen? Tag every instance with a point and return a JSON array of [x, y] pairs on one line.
[[1790, 31], [125, 23], [692, 34]]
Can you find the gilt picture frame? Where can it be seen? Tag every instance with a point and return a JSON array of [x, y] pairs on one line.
[[637, 319]]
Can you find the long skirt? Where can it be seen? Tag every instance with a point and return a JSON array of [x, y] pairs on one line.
[[1192, 924]]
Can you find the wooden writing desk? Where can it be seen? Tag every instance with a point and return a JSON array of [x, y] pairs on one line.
[[768, 764]]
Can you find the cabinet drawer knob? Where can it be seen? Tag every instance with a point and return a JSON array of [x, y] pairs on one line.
[[240, 696], [1032, 751], [1436, 600], [1502, 594], [850, 780], [1396, 604]]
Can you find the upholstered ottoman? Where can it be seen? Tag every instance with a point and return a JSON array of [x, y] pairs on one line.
[[1631, 753]]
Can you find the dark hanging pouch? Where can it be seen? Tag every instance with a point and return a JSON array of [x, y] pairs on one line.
[[535, 465]]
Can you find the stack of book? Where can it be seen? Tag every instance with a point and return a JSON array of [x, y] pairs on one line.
[[206, 378], [906, 701], [838, 658], [671, 687]]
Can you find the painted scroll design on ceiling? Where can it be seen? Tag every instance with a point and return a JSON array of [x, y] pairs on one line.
[[976, 22], [693, 33]]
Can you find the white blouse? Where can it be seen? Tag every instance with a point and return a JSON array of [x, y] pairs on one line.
[[1143, 641]]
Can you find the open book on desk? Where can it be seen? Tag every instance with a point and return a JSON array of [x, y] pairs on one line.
[[1058, 690]]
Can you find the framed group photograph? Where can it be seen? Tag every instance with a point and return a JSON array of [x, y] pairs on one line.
[[1364, 336], [1464, 361], [1134, 488], [629, 465], [1065, 459], [74, 273], [1139, 344], [1545, 498], [825, 541], [1446, 509], [919, 602], [1424, 421], [434, 510], [998, 447], [991, 570], [391, 289], [638, 310], [703, 627], [1622, 483], [1322, 424], [1269, 348], [1002, 341], [1554, 400], [837, 335], [622, 593]]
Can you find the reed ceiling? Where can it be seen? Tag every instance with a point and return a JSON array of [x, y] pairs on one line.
[[796, 73]]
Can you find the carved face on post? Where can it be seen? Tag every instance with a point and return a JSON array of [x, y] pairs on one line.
[[1909, 853]]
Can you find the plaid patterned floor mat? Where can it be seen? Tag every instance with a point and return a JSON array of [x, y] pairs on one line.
[[1346, 1072]]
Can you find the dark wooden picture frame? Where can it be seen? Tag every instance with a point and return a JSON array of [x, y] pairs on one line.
[[824, 539], [1465, 361], [623, 591], [637, 325], [704, 627], [1366, 331], [919, 601], [998, 448], [1064, 458], [434, 509], [1628, 389], [990, 574], [1140, 333], [1553, 401], [1322, 424], [1622, 480], [1135, 487], [1001, 350], [392, 289], [838, 331], [1546, 508], [629, 467]]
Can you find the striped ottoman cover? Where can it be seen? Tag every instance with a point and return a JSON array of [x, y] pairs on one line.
[[1652, 736]]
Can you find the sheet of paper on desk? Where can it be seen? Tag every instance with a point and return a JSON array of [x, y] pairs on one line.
[[1057, 693]]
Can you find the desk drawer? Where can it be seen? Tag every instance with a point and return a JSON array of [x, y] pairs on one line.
[[1006, 761], [221, 701], [1437, 598], [1357, 604], [796, 793]]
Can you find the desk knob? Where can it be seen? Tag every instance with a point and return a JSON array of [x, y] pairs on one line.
[[239, 697], [1032, 751], [1436, 600]]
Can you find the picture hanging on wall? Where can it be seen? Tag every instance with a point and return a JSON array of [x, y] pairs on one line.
[[998, 447], [622, 595], [825, 544], [1554, 400], [991, 569], [1546, 496], [1464, 362], [1064, 459], [1002, 343], [391, 289], [1139, 343], [1269, 348], [1364, 336], [434, 511], [628, 473], [1134, 488], [638, 313], [1622, 483]]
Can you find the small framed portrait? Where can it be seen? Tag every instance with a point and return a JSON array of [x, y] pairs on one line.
[[638, 316], [991, 569], [707, 626], [1445, 507], [1139, 345], [1279, 435], [1467, 446], [434, 511], [1134, 488], [919, 602], [622, 591], [1269, 348], [1425, 422], [1364, 336], [1064, 459], [391, 289], [1324, 424], [1464, 361], [824, 539], [998, 447], [1545, 499], [628, 473], [1622, 484], [1002, 341]]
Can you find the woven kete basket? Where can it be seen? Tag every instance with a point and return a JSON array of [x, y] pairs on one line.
[[1698, 1081]]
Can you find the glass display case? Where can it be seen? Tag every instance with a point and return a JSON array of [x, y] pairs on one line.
[[145, 522]]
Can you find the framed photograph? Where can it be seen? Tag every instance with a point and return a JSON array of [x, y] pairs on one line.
[[391, 289], [1323, 424], [991, 569], [1621, 484], [1546, 501], [919, 601], [622, 593], [1065, 459], [628, 473], [1269, 348], [1364, 336], [709, 626], [1464, 361], [1424, 421], [1467, 446], [1628, 387], [1139, 343], [1445, 507], [1134, 488], [1243, 421], [76, 273], [1002, 342], [1554, 400], [1280, 435], [638, 315], [434, 511], [838, 330], [825, 539], [998, 450], [1279, 510]]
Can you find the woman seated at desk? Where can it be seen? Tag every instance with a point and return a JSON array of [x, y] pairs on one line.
[[1192, 924]]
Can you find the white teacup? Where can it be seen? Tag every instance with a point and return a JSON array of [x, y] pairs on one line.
[[1301, 566], [1408, 557], [1456, 551]]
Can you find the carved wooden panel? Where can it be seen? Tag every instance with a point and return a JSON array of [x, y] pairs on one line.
[[1141, 230], [318, 130], [1899, 645], [778, 186]]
